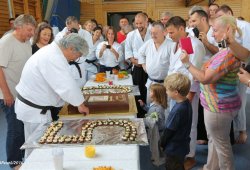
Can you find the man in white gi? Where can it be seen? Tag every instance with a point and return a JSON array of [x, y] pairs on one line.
[[77, 67], [90, 63], [46, 82], [244, 40], [176, 29], [165, 16], [71, 22], [15, 49], [133, 42], [154, 56]]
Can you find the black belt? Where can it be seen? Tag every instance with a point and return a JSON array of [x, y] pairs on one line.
[[92, 62], [77, 66], [44, 108], [157, 81]]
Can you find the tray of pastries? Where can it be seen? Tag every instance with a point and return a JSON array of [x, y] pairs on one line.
[[83, 131], [106, 89]]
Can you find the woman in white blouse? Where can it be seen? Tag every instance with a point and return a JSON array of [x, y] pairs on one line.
[[109, 52]]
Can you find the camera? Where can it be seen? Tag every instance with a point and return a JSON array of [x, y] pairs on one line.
[[196, 32], [246, 67], [222, 44], [73, 30], [108, 46]]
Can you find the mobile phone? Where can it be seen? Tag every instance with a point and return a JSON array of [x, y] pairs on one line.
[[73, 30], [222, 44], [108, 46], [196, 32]]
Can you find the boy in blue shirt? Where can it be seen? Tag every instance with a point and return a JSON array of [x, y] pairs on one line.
[[175, 139]]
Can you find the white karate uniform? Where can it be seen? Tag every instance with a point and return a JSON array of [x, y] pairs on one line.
[[244, 40], [156, 60], [46, 80], [90, 69], [108, 58], [81, 81], [134, 42], [61, 34], [74, 71]]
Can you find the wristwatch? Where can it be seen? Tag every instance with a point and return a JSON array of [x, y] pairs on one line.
[[186, 65]]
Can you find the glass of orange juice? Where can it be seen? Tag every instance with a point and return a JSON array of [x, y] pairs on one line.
[[90, 151]]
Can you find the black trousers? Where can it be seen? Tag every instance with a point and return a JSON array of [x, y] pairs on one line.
[[140, 78]]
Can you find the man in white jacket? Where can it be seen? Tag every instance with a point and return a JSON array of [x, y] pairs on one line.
[[46, 82]]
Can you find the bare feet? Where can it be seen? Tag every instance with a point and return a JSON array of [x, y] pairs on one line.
[[242, 138], [189, 163], [201, 142]]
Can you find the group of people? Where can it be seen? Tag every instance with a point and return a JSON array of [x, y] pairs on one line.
[[40, 71]]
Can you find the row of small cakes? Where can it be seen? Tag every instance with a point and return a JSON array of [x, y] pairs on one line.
[[50, 136], [123, 89], [130, 129], [51, 131]]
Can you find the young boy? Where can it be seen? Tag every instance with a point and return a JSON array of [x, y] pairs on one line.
[[175, 139]]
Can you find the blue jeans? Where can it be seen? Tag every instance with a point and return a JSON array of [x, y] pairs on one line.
[[15, 136]]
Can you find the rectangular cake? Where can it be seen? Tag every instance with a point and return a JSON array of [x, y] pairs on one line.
[[104, 103]]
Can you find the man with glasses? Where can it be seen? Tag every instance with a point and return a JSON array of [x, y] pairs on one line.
[[46, 82]]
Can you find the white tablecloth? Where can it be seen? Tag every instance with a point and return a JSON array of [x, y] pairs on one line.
[[120, 157], [127, 81]]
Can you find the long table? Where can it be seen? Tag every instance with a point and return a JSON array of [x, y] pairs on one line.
[[126, 81], [120, 157]]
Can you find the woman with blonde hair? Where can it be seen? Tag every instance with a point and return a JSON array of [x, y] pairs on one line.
[[219, 95]]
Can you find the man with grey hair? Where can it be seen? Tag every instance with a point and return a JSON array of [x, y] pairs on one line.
[[46, 82], [71, 24], [154, 56], [195, 8], [15, 49], [165, 16]]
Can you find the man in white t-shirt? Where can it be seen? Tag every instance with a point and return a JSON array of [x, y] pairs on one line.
[[15, 49]]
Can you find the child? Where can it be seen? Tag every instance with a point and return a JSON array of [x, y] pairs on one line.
[[155, 120], [175, 139]]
